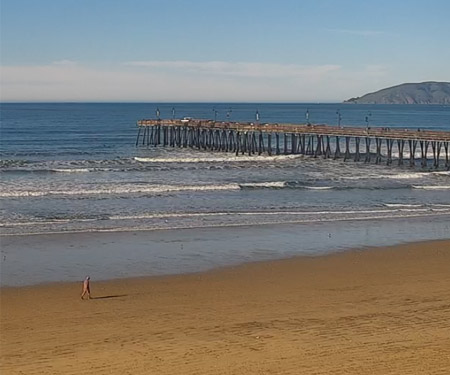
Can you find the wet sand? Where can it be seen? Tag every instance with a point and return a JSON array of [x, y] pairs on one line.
[[376, 311]]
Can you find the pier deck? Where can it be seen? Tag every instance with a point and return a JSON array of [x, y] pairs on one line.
[[380, 144]]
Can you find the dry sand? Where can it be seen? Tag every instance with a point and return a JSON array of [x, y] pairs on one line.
[[378, 311]]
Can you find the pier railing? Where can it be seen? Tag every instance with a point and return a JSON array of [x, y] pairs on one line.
[[381, 144]]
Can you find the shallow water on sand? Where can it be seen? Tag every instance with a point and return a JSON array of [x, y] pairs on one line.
[[69, 257]]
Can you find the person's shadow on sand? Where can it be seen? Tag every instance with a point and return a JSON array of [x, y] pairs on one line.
[[111, 296]]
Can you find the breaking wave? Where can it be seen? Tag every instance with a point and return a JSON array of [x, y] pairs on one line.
[[262, 185], [218, 159], [431, 187], [155, 189], [179, 220], [71, 170]]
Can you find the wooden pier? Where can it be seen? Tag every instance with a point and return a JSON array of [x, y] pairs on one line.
[[369, 145]]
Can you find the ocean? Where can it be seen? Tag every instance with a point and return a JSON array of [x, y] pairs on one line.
[[74, 168]]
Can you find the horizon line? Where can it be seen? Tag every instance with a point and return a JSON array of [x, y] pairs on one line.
[[166, 102]]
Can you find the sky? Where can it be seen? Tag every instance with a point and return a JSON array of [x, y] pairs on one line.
[[218, 51]]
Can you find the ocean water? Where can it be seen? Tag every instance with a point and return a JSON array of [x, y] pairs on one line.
[[75, 168]]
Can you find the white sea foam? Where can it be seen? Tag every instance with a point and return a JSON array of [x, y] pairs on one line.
[[318, 187], [386, 214], [153, 189], [218, 159], [71, 170], [163, 215], [48, 169], [17, 194], [159, 189], [431, 187], [397, 176], [274, 184], [404, 176], [402, 205], [348, 214]]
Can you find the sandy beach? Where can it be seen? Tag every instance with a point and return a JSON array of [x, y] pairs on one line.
[[372, 311]]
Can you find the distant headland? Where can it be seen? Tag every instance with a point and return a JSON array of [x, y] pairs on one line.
[[408, 93]]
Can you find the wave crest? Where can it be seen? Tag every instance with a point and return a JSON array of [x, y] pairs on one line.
[[154, 189], [217, 159], [431, 187]]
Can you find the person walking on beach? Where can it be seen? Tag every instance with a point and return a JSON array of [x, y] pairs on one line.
[[86, 288]]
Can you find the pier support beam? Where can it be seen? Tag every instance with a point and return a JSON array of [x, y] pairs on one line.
[[318, 146], [327, 153], [412, 152], [231, 141], [436, 146], [269, 144], [238, 143], [164, 130], [378, 142], [347, 148], [277, 143], [178, 137], [367, 158], [357, 153], [447, 162], [253, 144], [424, 151], [293, 144], [261, 143], [310, 146], [337, 149], [303, 144], [400, 146], [389, 144], [148, 138]]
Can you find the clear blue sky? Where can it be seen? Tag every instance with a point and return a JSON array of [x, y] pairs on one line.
[[199, 50]]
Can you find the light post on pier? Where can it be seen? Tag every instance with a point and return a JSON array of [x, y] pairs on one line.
[[215, 114], [339, 117], [257, 116], [173, 113], [229, 115], [157, 113], [307, 116], [369, 114]]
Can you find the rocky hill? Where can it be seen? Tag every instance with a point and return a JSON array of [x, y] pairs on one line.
[[408, 93]]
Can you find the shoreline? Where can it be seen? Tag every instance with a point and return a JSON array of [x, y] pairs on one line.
[[368, 310], [224, 268], [37, 259]]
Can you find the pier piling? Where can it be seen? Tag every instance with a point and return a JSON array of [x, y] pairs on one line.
[[312, 140]]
